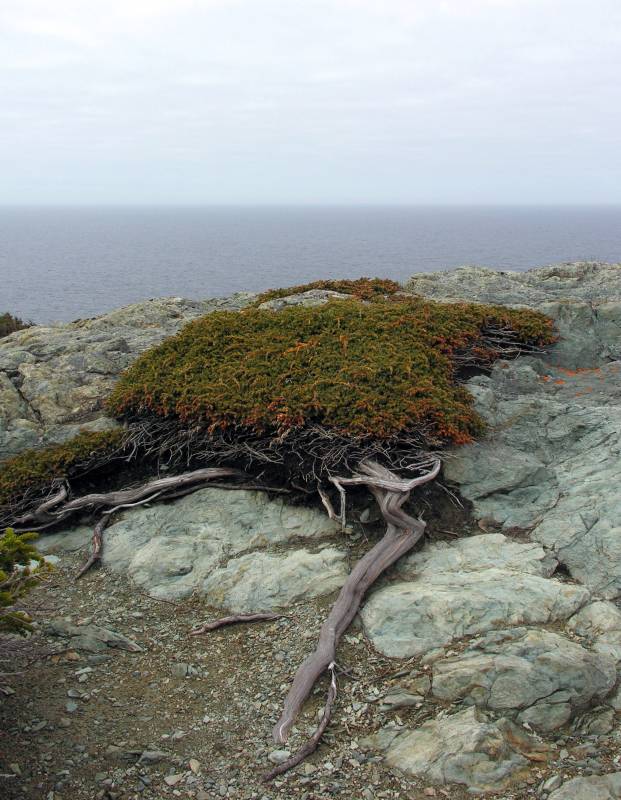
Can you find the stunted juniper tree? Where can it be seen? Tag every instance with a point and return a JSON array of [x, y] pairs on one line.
[[362, 391]]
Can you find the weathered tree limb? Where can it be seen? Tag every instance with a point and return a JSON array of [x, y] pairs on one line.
[[311, 745], [401, 535], [219, 623], [42, 511], [159, 485], [97, 548], [327, 504], [50, 512]]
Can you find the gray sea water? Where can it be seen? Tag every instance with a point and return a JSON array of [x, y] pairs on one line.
[[66, 263]]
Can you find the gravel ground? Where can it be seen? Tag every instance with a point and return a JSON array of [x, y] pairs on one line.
[[191, 717]]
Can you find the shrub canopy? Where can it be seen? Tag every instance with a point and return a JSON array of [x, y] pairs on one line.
[[33, 471], [10, 324], [19, 563], [362, 288], [300, 392], [362, 370]]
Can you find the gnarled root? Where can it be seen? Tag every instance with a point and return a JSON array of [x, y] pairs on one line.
[[312, 744], [401, 535], [57, 508], [219, 623], [97, 548]]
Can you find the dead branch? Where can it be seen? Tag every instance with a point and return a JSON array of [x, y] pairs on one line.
[[401, 535], [219, 623], [50, 513], [311, 745], [97, 540]]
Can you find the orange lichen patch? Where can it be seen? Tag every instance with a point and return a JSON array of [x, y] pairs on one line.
[[559, 381], [572, 373]]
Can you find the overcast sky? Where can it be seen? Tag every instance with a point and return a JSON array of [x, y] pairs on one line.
[[310, 101]]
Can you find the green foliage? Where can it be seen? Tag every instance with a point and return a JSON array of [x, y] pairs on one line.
[[361, 370], [362, 288], [33, 470], [16, 577], [10, 324]]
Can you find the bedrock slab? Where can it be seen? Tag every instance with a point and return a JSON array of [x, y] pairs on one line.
[[550, 463], [600, 624], [536, 676], [54, 378], [266, 581], [171, 549], [449, 596], [583, 298], [595, 787], [476, 553], [464, 748]]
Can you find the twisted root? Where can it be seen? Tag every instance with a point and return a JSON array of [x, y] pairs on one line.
[[402, 533]]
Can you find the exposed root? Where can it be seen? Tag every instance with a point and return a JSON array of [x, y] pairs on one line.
[[58, 508], [219, 623], [97, 549], [401, 535], [311, 745]]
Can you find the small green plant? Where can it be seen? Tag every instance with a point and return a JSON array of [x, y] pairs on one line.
[[10, 324], [20, 565]]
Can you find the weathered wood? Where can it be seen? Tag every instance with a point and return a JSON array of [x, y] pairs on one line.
[[232, 620], [401, 535], [311, 745]]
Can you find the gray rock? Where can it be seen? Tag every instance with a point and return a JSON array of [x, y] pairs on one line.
[[582, 298], [550, 462], [552, 783], [399, 697], [153, 756], [465, 748], [584, 281], [475, 553], [90, 638], [262, 581], [313, 297], [172, 549], [600, 624], [450, 598], [53, 379], [539, 676], [596, 722], [279, 756], [595, 787]]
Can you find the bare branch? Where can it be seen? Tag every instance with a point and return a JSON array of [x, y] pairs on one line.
[[97, 540], [311, 745], [401, 535], [219, 623]]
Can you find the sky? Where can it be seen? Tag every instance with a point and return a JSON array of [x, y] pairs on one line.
[[310, 102]]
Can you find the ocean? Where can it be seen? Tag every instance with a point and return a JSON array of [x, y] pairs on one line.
[[70, 263]]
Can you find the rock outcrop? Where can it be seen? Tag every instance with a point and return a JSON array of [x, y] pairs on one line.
[[513, 632], [54, 379], [240, 550], [583, 298]]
